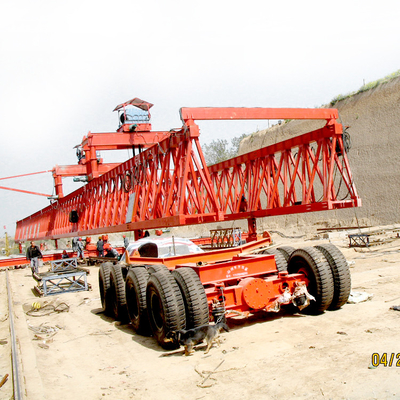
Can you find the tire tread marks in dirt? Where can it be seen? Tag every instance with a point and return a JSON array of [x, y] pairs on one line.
[[117, 293], [341, 274], [313, 264], [135, 289], [165, 307], [195, 298]]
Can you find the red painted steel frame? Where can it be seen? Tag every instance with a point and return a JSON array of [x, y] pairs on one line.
[[287, 177], [234, 113], [90, 166], [169, 184], [247, 283], [252, 294], [131, 134], [209, 256], [21, 260]]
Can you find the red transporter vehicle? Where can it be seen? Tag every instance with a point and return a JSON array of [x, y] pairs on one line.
[[168, 184], [160, 295]]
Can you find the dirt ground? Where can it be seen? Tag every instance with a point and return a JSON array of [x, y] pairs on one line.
[[269, 356]]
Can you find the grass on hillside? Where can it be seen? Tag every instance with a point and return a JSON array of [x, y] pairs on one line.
[[365, 87]]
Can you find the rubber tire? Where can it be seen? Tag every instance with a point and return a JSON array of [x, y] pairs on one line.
[[104, 286], [281, 263], [152, 269], [194, 296], [165, 307], [313, 264], [341, 274], [135, 290], [286, 251], [117, 293]]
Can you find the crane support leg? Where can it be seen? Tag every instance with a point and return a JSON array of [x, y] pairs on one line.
[[252, 225]]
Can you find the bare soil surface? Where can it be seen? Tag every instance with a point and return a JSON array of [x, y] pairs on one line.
[[86, 355]]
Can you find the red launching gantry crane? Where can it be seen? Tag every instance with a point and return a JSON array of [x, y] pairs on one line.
[[168, 184]]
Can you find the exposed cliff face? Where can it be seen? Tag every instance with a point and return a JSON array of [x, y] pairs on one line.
[[374, 120]]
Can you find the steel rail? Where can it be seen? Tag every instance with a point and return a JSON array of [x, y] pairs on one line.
[[19, 261], [14, 354]]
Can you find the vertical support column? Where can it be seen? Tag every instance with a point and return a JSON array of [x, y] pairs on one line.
[[7, 246], [56, 243], [58, 184], [93, 165], [252, 224], [139, 234]]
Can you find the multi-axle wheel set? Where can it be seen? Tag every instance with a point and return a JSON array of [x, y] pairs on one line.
[[157, 300]]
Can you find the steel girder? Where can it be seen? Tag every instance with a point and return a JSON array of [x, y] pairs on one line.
[[169, 183], [303, 174]]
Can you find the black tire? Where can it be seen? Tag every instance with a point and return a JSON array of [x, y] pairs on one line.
[[152, 269], [341, 274], [194, 296], [286, 251], [117, 293], [135, 289], [165, 307], [125, 270], [312, 263], [104, 286], [281, 263]]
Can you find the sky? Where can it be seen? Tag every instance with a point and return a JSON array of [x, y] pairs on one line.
[[65, 65]]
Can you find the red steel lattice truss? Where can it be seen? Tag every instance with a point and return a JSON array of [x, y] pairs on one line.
[[169, 183]]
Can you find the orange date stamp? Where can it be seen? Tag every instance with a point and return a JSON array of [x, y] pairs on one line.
[[385, 359]]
